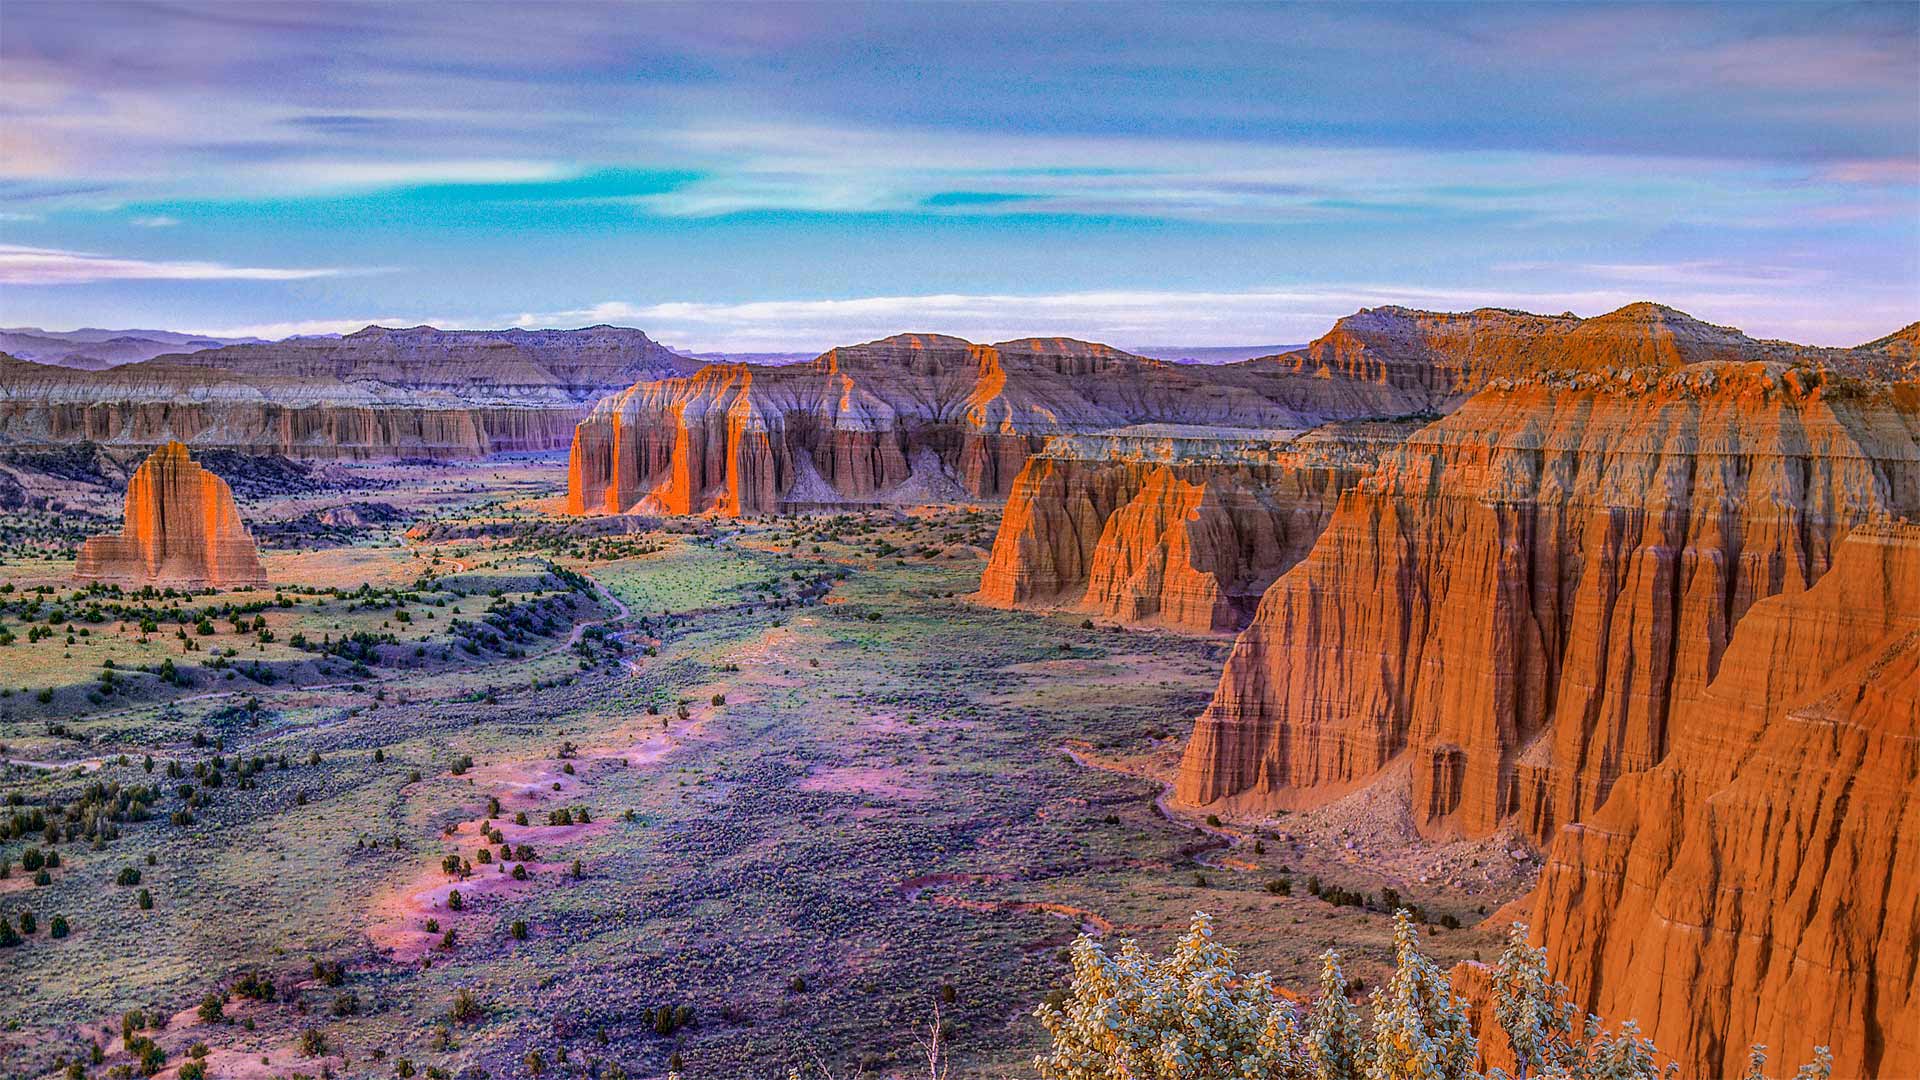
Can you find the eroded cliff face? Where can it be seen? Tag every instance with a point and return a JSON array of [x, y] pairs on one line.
[[377, 393], [912, 418], [1517, 598], [1182, 526], [1762, 883], [182, 528]]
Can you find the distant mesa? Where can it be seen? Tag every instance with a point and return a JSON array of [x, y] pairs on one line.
[[374, 394], [182, 529]]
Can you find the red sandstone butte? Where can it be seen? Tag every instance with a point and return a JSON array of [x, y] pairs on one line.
[[1178, 525], [1517, 598], [181, 529]]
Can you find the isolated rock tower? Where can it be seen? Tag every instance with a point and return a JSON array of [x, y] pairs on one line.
[[181, 528]]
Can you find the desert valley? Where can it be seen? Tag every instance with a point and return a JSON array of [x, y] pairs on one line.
[[444, 701], [876, 540]]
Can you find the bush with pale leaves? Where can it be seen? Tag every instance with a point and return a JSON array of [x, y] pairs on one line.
[[1190, 1015]]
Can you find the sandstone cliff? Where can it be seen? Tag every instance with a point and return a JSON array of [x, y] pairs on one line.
[[376, 393], [181, 528], [909, 418], [1762, 883], [1517, 598], [1104, 536], [1179, 525]]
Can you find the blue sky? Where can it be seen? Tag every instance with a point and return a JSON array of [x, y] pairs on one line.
[[794, 176]]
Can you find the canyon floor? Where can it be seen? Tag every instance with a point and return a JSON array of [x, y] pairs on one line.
[[825, 794]]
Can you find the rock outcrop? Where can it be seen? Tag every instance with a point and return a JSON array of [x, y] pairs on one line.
[[1762, 883], [915, 418], [377, 393], [1176, 525], [181, 529], [1516, 599]]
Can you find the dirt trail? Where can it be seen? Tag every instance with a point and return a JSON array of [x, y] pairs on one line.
[[1219, 837]]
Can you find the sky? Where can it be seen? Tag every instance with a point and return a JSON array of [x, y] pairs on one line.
[[795, 176]]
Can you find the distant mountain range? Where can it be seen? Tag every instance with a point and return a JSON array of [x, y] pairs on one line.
[[93, 349]]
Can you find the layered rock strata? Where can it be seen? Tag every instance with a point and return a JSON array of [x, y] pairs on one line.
[[377, 393], [182, 528], [1762, 883], [1182, 526], [850, 426], [1516, 599], [915, 418]]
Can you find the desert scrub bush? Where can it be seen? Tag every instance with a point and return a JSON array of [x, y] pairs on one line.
[[311, 1043], [1191, 1015], [465, 1008]]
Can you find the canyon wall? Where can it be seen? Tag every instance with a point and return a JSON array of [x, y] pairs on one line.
[[1183, 526], [910, 418], [1762, 883], [377, 393], [1517, 597], [1192, 542], [181, 528]]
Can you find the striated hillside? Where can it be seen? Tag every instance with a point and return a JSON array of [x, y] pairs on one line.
[[375, 393], [1179, 525], [516, 365], [1516, 599], [911, 418], [1762, 883]]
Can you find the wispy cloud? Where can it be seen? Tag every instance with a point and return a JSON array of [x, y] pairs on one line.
[[155, 221], [304, 175], [20, 265]]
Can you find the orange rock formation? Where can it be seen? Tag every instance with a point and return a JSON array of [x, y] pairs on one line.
[[1517, 598], [181, 529], [911, 418], [1182, 526], [1762, 883]]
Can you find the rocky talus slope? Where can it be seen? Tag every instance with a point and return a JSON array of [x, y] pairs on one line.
[[1183, 526], [181, 528], [417, 392], [1516, 599], [911, 418], [1762, 883]]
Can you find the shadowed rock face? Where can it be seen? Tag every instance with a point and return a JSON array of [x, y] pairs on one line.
[[1762, 883], [1177, 525], [182, 528], [1517, 598], [911, 418], [376, 393]]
